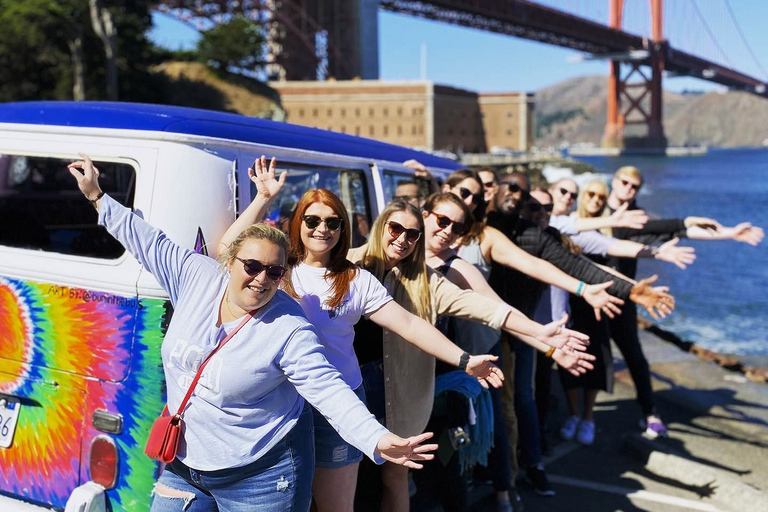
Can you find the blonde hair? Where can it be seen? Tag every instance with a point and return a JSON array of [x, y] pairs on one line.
[[581, 209], [412, 284], [258, 231], [630, 171]]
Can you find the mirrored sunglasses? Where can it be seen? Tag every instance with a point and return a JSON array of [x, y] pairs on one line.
[[312, 221]]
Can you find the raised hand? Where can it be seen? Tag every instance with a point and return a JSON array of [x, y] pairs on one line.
[[264, 177], [573, 361], [623, 218], [556, 335], [482, 368], [87, 176], [406, 452], [656, 300], [598, 297], [672, 253]]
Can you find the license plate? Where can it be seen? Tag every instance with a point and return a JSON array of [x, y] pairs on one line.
[[9, 415]]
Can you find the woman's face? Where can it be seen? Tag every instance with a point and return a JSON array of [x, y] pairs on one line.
[[439, 238], [320, 239], [469, 191], [249, 290], [594, 201], [564, 196], [398, 237]]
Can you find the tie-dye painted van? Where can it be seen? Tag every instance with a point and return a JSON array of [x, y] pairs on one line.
[[81, 323]]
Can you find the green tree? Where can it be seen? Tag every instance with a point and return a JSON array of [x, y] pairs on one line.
[[237, 43], [50, 50]]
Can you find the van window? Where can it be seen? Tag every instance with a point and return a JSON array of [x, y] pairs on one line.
[[41, 207], [348, 184], [407, 186]]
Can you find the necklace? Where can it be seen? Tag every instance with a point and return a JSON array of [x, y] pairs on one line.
[[226, 302]]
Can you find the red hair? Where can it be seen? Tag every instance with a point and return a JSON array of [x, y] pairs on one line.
[[340, 271]]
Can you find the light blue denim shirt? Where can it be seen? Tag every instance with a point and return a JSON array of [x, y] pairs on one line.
[[252, 391]]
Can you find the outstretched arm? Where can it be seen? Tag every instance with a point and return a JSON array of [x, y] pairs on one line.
[[504, 252], [267, 188], [621, 218], [425, 336], [744, 232], [669, 252]]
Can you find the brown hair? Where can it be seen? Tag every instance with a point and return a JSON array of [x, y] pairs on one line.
[[478, 215], [413, 283], [449, 197], [340, 271]]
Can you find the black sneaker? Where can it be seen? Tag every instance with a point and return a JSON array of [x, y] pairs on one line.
[[536, 477]]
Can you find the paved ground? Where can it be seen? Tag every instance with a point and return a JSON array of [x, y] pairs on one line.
[[716, 458]]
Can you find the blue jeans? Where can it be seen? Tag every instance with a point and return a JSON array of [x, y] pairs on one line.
[[331, 450], [525, 407], [281, 480]]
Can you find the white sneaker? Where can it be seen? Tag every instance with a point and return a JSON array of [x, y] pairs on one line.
[[586, 432], [654, 427], [568, 430]]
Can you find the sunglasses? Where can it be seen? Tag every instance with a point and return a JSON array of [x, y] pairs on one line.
[[568, 193], [465, 193], [408, 199], [591, 193], [396, 229], [537, 207], [489, 184], [633, 186], [458, 229], [254, 267], [312, 221]]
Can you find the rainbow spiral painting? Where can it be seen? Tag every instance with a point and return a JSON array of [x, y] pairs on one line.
[[65, 353]]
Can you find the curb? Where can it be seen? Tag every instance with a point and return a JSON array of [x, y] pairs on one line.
[[712, 484]]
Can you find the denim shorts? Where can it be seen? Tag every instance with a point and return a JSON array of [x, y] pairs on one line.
[[281, 480], [331, 451]]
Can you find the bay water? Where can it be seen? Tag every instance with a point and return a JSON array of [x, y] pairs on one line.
[[722, 299]]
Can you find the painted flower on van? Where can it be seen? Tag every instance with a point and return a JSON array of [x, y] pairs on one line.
[[66, 352]]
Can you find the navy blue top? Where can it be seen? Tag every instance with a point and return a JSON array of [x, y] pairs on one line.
[[208, 123]]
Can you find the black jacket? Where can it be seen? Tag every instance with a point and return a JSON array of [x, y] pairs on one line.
[[523, 292]]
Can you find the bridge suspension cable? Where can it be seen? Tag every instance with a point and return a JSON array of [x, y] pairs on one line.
[[711, 35], [744, 39]]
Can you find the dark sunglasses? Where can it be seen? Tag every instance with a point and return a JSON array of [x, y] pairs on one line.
[[631, 185], [568, 193], [312, 221], [254, 267], [489, 184], [537, 207], [465, 193], [458, 229], [396, 229], [592, 193]]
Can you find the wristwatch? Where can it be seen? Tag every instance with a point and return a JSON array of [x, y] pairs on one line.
[[464, 361]]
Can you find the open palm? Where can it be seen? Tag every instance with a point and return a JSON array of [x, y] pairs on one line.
[[263, 177]]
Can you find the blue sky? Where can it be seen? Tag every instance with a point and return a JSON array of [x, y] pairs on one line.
[[483, 61]]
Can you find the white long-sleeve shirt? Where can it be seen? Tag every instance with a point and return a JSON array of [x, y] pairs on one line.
[[250, 393]]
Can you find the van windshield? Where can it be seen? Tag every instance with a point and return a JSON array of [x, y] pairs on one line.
[[41, 207]]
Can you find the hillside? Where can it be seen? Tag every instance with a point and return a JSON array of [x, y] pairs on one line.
[[193, 84], [575, 111]]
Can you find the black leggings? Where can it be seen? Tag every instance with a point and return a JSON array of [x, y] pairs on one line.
[[624, 333]]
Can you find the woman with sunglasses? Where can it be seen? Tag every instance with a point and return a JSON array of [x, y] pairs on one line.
[[395, 254], [246, 427], [335, 295], [446, 220]]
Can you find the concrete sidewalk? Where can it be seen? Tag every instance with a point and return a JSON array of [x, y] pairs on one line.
[[715, 459]]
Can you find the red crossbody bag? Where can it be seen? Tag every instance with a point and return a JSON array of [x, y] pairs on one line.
[[163, 441]]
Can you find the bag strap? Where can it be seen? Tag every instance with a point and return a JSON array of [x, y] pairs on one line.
[[213, 352]]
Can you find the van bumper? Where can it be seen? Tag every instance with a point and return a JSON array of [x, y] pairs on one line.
[[89, 497]]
